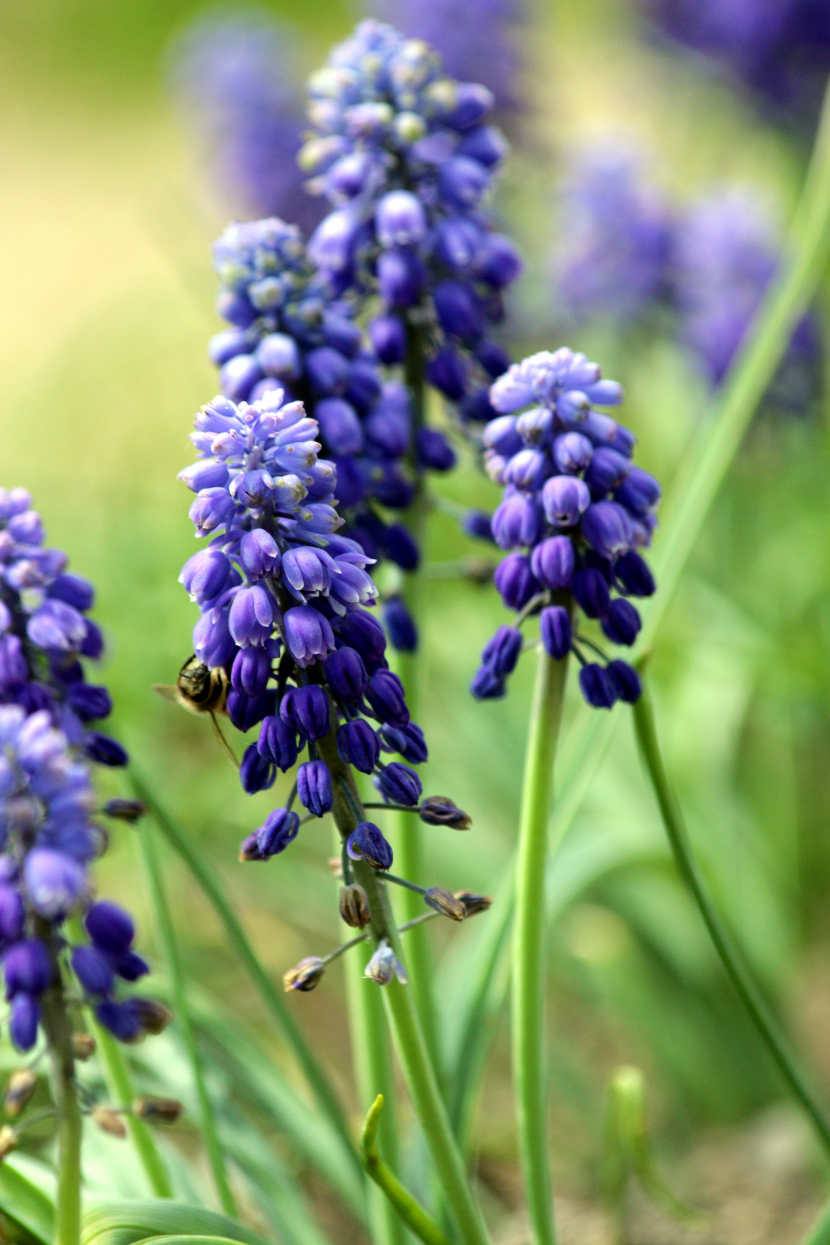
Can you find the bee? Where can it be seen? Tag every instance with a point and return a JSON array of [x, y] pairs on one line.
[[198, 688]]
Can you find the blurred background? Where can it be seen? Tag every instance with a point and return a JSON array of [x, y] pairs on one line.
[[657, 155]]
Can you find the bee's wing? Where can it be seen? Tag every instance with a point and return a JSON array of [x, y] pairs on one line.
[[168, 693]]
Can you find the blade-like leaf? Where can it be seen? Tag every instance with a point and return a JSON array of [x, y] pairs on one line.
[[25, 1204], [126, 1223]]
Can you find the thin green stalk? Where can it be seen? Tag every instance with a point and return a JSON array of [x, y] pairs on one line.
[[731, 957], [410, 1211], [401, 1009], [373, 1075], [58, 1031], [529, 945], [121, 1092], [169, 944], [820, 1231], [201, 869]]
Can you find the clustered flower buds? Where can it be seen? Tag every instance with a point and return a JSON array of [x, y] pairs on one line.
[[575, 513], [48, 836]]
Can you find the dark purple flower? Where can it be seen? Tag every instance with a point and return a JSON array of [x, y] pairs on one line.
[[367, 843], [400, 625], [552, 562], [251, 671], [306, 709], [27, 968], [591, 592], [110, 927], [515, 581], [448, 373], [407, 740], [359, 630], [314, 787], [89, 702], [93, 969], [386, 696], [358, 745], [277, 743], [401, 278], [399, 545], [256, 773], [633, 574], [555, 630], [308, 634], [279, 829], [340, 426], [626, 681], [607, 527], [622, 622], [502, 652], [387, 334], [434, 450], [104, 750], [398, 784], [598, 686]]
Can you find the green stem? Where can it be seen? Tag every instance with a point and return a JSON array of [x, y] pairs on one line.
[[121, 1092], [169, 944], [401, 1009], [373, 1075], [820, 1231], [731, 958], [58, 1031], [201, 869], [410, 1211], [529, 943]]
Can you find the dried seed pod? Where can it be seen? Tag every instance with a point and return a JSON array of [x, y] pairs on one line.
[[473, 903], [83, 1046], [155, 1017], [109, 1121], [305, 975], [445, 903], [9, 1138], [438, 810], [22, 1084], [163, 1110], [124, 810], [354, 906]]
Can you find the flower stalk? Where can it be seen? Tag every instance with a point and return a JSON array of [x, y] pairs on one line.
[[529, 943], [410, 1211], [58, 1030]]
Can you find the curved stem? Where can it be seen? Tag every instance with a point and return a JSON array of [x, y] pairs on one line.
[[201, 869], [167, 937], [410, 1211], [400, 1005], [731, 958], [58, 1032], [529, 944]]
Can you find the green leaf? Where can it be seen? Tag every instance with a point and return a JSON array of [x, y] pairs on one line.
[[25, 1204], [127, 1223]]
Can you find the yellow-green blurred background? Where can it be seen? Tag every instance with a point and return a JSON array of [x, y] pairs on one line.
[[106, 221]]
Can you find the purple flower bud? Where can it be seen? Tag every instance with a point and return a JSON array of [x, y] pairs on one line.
[[342, 334], [400, 625], [346, 674], [56, 627], [367, 843], [622, 622], [238, 376], [92, 645], [235, 307], [399, 219], [633, 573], [364, 385], [12, 913], [640, 491], [121, 1019], [212, 641], [388, 432], [607, 470], [572, 453], [564, 499], [205, 574], [279, 829], [478, 525], [626, 681], [462, 181], [258, 553], [400, 547], [27, 968], [250, 671], [207, 473], [448, 373], [306, 709], [386, 696], [534, 426], [457, 309], [434, 450], [552, 562], [308, 634], [93, 969], [555, 630], [253, 614], [277, 355], [314, 787], [110, 927], [277, 743], [74, 590], [398, 784], [131, 966], [388, 337], [359, 630], [339, 426], [245, 711], [104, 750], [591, 592], [225, 345], [623, 441], [607, 528], [502, 652], [485, 143], [517, 522], [598, 686], [327, 370], [515, 581], [498, 262], [401, 278], [89, 702], [407, 740], [13, 668], [24, 1020], [528, 469], [256, 773], [212, 508], [358, 745], [493, 358]]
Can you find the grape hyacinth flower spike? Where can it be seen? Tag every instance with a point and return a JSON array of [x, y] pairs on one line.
[[576, 514], [50, 836]]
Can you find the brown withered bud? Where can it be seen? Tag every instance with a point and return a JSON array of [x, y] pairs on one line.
[[306, 975], [438, 810], [354, 906], [162, 1110], [109, 1121], [22, 1084], [124, 810], [9, 1138], [83, 1046], [473, 903], [155, 1017], [445, 903], [336, 866]]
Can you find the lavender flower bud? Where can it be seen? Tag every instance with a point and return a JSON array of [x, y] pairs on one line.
[[93, 970], [388, 337], [448, 373], [564, 498], [23, 1024], [591, 592], [606, 527], [277, 743], [253, 615], [407, 740], [462, 182], [367, 843], [314, 787], [258, 553], [639, 491], [401, 278], [277, 355], [502, 652], [251, 671], [384, 965], [515, 581], [212, 641], [306, 709], [399, 219], [340, 426], [386, 696], [358, 745], [607, 470], [555, 630], [398, 784], [327, 370], [552, 562], [255, 772], [572, 452], [437, 810], [205, 575], [308, 634], [457, 310], [27, 968], [354, 906], [278, 830], [55, 883]]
